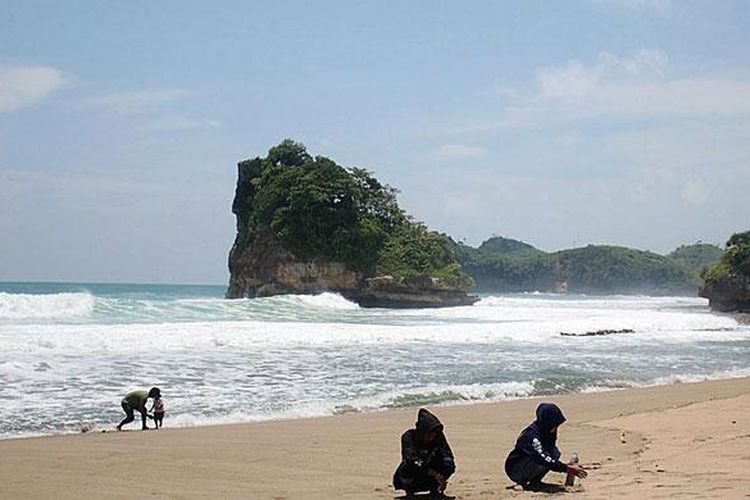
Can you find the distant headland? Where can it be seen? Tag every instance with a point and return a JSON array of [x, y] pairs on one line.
[[504, 265]]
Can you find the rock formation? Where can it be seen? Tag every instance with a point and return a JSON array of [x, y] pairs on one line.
[[729, 294], [261, 265]]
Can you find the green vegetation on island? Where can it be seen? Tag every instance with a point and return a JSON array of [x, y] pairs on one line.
[[735, 261], [321, 211], [506, 265], [698, 258]]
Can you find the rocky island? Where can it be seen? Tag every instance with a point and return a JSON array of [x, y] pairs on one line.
[[307, 225], [727, 285]]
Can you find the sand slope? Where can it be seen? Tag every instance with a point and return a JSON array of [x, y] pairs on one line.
[[682, 440]]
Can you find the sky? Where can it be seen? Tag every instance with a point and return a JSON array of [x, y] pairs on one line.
[[621, 122]]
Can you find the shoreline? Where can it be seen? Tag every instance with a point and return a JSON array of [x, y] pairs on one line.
[[96, 429], [664, 429]]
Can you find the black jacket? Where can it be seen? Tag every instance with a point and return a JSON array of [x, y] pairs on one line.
[[417, 457], [537, 442]]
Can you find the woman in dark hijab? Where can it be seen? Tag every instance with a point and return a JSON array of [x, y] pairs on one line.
[[426, 458], [536, 453]]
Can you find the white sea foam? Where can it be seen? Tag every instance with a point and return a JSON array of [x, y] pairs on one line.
[[45, 306], [325, 300], [222, 361]]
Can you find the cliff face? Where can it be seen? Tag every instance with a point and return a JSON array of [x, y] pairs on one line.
[[728, 294], [261, 265]]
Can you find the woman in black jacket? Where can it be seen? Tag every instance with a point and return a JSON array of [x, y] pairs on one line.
[[426, 458]]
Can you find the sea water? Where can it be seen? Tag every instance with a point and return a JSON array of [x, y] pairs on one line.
[[69, 352]]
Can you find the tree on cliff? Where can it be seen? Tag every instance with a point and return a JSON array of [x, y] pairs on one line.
[[735, 261], [738, 253], [320, 210], [727, 285]]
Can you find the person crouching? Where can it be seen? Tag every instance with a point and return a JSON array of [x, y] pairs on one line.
[[426, 458], [536, 453]]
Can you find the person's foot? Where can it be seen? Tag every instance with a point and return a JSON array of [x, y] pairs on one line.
[[439, 495], [119, 427]]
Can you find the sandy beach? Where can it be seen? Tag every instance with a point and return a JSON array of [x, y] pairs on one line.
[[681, 440]]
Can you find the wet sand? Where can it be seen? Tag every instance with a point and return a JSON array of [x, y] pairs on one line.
[[681, 440]]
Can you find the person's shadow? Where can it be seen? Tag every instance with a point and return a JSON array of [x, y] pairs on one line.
[[425, 496]]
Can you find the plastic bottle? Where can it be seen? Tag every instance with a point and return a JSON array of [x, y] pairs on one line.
[[571, 479]]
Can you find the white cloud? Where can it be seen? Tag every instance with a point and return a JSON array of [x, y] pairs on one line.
[[137, 102], [571, 81], [457, 151], [639, 86], [575, 81], [26, 85]]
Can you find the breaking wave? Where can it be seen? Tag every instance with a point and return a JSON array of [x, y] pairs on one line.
[[45, 306]]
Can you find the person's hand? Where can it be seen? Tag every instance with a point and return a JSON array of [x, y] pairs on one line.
[[577, 471]]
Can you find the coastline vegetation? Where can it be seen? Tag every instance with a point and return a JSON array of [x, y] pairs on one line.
[[506, 265], [735, 261]]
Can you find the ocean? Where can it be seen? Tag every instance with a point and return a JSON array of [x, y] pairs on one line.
[[69, 352]]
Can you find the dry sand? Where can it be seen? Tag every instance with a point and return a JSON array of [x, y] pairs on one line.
[[681, 440]]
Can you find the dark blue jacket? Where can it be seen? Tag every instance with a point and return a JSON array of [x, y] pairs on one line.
[[537, 443]]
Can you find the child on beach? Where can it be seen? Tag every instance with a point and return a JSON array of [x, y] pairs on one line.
[[426, 458], [136, 400], [535, 453], [158, 411]]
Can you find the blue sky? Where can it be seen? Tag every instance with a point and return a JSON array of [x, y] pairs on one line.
[[559, 123]]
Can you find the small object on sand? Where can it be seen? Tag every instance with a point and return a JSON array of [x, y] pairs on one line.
[[87, 426], [623, 437], [734, 421], [104, 430], [571, 478]]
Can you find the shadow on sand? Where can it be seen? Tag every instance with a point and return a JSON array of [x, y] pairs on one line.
[[540, 488]]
